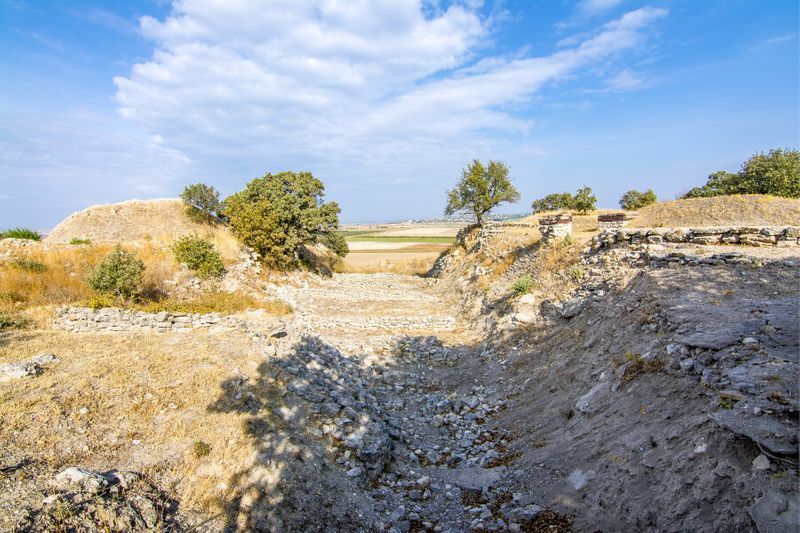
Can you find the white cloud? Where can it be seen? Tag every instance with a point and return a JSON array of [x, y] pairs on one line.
[[368, 92]]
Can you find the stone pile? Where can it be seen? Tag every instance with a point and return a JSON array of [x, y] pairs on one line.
[[749, 235], [555, 227]]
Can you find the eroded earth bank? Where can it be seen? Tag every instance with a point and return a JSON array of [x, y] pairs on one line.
[[648, 387]]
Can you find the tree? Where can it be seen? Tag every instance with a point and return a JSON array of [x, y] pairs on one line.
[[278, 213], [119, 274], [634, 199], [481, 189], [585, 200], [202, 203], [777, 173], [199, 255], [554, 202]]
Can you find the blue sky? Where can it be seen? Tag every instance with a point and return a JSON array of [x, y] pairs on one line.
[[385, 101]]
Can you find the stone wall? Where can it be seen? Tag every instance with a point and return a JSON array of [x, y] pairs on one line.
[[84, 319], [555, 227], [748, 235]]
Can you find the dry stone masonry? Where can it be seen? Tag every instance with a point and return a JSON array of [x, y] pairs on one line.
[[85, 319], [555, 227], [749, 235]]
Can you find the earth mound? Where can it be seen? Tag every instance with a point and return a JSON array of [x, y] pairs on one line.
[[735, 210]]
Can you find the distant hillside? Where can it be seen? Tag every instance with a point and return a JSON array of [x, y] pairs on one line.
[[755, 209], [161, 220]]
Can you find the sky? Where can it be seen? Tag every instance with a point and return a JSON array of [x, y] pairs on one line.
[[385, 101]]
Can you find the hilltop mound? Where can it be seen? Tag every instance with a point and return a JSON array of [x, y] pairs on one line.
[[744, 209], [161, 220]]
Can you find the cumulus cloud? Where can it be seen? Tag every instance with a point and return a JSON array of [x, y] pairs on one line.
[[354, 88]]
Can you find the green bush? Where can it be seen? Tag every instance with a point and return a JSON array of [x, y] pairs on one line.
[[523, 285], [634, 199], [776, 173], [77, 241], [199, 255], [20, 233], [201, 449], [8, 321], [29, 265], [202, 203], [278, 213], [119, 274]]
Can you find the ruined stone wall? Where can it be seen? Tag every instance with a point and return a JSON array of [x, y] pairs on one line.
[[84, 319], [755, 236]]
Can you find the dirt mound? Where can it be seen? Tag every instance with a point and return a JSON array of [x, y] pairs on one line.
[[744, 209], [134, 220]]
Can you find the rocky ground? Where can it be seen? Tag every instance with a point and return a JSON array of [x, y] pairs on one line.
[[656, 395]]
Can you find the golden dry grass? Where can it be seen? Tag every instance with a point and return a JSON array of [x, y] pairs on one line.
[[745, 209], [216, 302], [136, 402], [415, 264]]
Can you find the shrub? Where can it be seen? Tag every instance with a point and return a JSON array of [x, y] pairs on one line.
[[96, 302], [8, 321], [201, 449], [20, 233], [481, 189], [199, 255], [523, 285], [634, 199], [29, 265], [278, 213], [776, 173], [585, 200], [77, 241], [119, 274], [202, 203]]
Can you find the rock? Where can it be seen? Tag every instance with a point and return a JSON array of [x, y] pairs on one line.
[[354, 472], [32, 367], [749, 340], [588, 402], [761, 462], [528, 299], [74, 477], [770, 433], [475, 478], [579, 479], [775, 512]]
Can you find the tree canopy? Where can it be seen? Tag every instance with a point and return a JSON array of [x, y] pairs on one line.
[[480, 189], [634, 199], [278, 213], [582, 201], [776, 173], [202, 203]]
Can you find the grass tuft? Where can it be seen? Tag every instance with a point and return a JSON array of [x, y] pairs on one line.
[[20, 233], [522, 285]]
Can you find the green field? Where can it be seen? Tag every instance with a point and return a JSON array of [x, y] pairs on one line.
[[362, 237]]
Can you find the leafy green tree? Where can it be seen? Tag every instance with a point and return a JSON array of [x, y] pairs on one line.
[[554, 202], [481, 189], [278, 213], [585, 200], [777, 173], [119, 274], [634, 199], [202, 203], [199, 255]]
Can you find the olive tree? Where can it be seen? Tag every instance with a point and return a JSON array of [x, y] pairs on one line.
[[585, 200], [202, 203], [480, 189], [277, 214]]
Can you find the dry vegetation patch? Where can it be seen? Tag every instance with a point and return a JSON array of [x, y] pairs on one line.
[[736, 210]]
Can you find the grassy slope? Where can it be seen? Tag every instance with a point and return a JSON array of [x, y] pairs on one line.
[[746, 209]]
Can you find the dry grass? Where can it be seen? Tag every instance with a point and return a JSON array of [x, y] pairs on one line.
[[216, 302], [157, 222], [746, 209], [136, 402], [414, 264], [63, 279]]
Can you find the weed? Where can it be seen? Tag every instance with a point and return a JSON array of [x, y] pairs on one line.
[[616, 459], [568, 413], [523, 285], [777, 475], [96, 302], [20, 233], [201, 449], [29, 265], [777, 397], [727, 403], [10, 321], [638, 366], [774, 378], [576, 273], [199, 255], [76, 241]]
